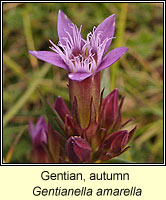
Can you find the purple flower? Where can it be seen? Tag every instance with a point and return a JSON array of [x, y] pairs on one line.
[[38, 136], [38, 133], [92, 131], [82, 58]]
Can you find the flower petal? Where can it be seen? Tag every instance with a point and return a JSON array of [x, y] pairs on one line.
[[79, 76], [64, 27], [107, 27], [41, 124], [38, 133], [112, 57], [40, 137], [49, 57]]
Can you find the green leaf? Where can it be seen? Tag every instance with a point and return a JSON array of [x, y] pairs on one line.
[[52, 115], [118, 160]]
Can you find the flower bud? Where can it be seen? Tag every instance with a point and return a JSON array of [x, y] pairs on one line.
[[78, 150], [110, 109], [61, 108], [115, 143]]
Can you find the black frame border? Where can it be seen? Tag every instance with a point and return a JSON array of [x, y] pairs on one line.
[[90, 164]]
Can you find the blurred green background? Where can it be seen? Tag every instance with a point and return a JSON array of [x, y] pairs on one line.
[[138, 75]]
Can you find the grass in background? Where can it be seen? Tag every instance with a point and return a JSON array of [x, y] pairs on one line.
[[138, 75]]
